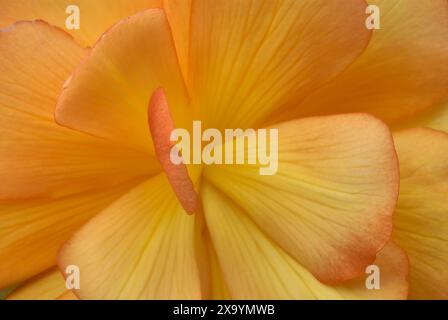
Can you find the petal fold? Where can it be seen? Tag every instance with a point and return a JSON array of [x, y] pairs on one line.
[[48, 285], [331, 202], [251, 59], [108, 94], [140, 247], [32, 231], [421, 218], [95, 17], [403, 71], [39, 158], [254, 267]]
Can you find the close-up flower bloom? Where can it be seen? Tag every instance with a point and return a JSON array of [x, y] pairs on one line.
[[87, 180]]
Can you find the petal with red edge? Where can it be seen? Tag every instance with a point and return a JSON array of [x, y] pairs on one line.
[[108, 94], [331, 202], [256, 268], [39, 158]]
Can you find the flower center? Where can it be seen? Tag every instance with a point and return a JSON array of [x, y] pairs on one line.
[[161, 125]]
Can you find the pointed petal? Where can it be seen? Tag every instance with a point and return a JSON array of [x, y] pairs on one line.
[[48, 285], [141, 247], [37, 157], [421, 219], [403, 70], [332, 199], [249, 59], [115, 82], [31, 232], [95, 16], [256, 268]]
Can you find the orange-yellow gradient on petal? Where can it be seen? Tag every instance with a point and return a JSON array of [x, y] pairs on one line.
[[140, 247], [249, 59], [330, 204], [421, 218], [403, 71], [95, 16], [49, 285], [256, 268]]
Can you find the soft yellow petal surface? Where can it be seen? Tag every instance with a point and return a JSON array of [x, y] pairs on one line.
[[96, 16], [141, 247], [31, 232], [330, 204], [421, 219], [403, 70], [249, 59], [48, 285], [38, 157], [256, 268], [108, 94]]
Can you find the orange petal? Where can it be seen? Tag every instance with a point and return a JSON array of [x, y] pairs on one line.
[[161, 126], [115, 82], [140, 247], [37, 157], [256, 268], [404, 69], [67, 295], [435, 117], [250, 59], [48, 285], [95, 16], [31, 232], [178, 13], [421, 218], [332, 199]]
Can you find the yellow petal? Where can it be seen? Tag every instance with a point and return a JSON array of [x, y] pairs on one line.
[[403, 70], [141, 247], [249, 59], [115, 82], [435, 117], [332, 199], [256, 268], [421, 219], [38, 157], [31, 232], [95, 16], [48, 285]]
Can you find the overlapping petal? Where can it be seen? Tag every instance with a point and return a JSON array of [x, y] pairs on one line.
[[141, 247], [421, 218], [250, 59], [403, 70], [330, 204], [108, 94], [32, 231], [256, 268], [48, 285], [95, 16], [435, 117], [38, 157]]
